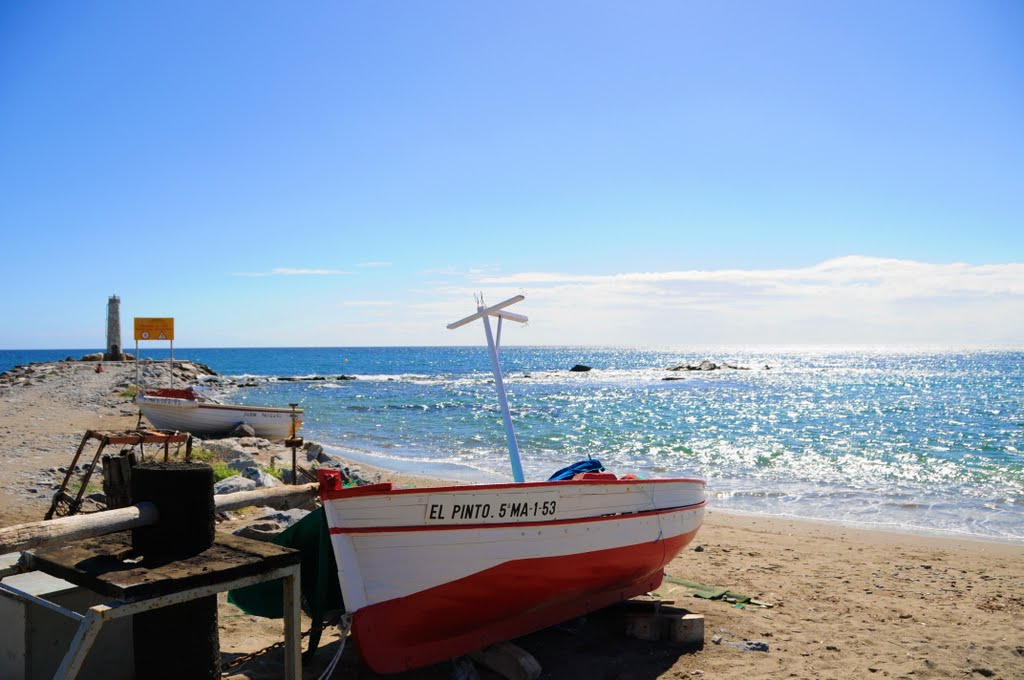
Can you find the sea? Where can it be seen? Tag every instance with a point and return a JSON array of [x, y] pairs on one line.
[[918, 440]]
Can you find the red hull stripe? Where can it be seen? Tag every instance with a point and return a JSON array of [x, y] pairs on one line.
[[372, 490], [556, 522], [505, 602]]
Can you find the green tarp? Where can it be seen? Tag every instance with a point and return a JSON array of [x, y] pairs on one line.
[[321, 590]]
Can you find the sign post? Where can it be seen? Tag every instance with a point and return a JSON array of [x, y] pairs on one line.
[[151, 328]]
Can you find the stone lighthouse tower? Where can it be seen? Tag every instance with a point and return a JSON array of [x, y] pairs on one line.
[[113, 352]]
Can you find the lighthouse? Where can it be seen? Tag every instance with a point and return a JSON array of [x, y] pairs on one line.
[[113, 352]]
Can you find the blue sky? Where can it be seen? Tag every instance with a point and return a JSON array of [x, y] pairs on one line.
[[279, 174]]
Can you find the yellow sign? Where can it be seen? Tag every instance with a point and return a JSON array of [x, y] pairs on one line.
[[154, 329]]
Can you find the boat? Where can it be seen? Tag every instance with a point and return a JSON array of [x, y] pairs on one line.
[[185, 410], [428, 574]]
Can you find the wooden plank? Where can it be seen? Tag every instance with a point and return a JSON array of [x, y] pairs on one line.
[[109, 567]]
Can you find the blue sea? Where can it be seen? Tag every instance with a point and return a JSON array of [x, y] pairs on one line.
[[911, 440]]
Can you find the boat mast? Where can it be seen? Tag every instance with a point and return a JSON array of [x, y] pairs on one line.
[[493, 343]]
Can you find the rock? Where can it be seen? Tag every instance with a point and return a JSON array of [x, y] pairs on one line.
[[463, 669], [260, 531], [233, 484], [261, 478], [750, 646], [345, 377], [508, 660], [707, 366], [224, 448], [242, 462], [286, 518], [95, 356], [579, 368], [242, 430], [315, 452]]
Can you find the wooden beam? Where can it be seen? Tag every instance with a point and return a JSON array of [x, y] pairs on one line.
[[286, 496], [34, 534]]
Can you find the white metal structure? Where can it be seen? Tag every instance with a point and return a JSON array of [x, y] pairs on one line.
[[493, 344]]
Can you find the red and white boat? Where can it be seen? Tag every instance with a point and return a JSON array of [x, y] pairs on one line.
[[431, 573], [184, 410]]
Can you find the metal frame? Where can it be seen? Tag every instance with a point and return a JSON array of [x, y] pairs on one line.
[[493, 346], [89, 623]]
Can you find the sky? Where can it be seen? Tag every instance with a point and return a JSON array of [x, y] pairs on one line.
[[645, 173]]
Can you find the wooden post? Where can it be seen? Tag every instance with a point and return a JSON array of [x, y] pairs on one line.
[[183, 494]]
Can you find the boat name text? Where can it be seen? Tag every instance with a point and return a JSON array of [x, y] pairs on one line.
[[491, 508]]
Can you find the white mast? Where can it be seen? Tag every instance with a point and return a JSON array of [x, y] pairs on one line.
[[493, 343]]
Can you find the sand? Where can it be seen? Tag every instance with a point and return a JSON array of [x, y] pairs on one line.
[[847, 603]]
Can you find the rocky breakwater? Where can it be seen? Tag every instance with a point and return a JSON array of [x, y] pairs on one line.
[[706, 365], [248, 463]]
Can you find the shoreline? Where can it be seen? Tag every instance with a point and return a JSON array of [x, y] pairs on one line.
[[423, 470], [887, 535]]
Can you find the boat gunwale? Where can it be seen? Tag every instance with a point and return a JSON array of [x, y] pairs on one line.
[[170, 403], [387, 489], [408, 528]]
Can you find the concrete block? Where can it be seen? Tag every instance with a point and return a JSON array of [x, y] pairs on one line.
[[687, 630]]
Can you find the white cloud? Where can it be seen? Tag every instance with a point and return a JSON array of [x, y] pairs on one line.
[[852, 299]]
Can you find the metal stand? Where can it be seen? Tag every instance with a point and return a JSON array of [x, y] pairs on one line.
[[100, 565], [90, 622], [64, 505]]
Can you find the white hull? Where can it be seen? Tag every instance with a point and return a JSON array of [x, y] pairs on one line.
[[203, 419], [498, 560]]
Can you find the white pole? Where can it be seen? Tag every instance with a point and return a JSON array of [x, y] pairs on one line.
[[510, 433]]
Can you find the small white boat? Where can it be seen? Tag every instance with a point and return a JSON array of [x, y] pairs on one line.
[[431, 573], [183, 410]]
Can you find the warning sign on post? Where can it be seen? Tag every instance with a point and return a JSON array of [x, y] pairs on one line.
[[154, 329]]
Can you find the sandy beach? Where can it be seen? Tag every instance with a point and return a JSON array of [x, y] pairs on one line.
[[845, 603]]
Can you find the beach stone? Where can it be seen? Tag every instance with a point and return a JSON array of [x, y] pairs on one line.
[[243, 430], [315, 452], [95, 356], [579, 368], [241, 462], [284, 517], [260, 531], [262, 479], [233, 484], [225, 448]]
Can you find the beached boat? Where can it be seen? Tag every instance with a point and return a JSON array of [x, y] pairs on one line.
[[431, 573], [184, 410]]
